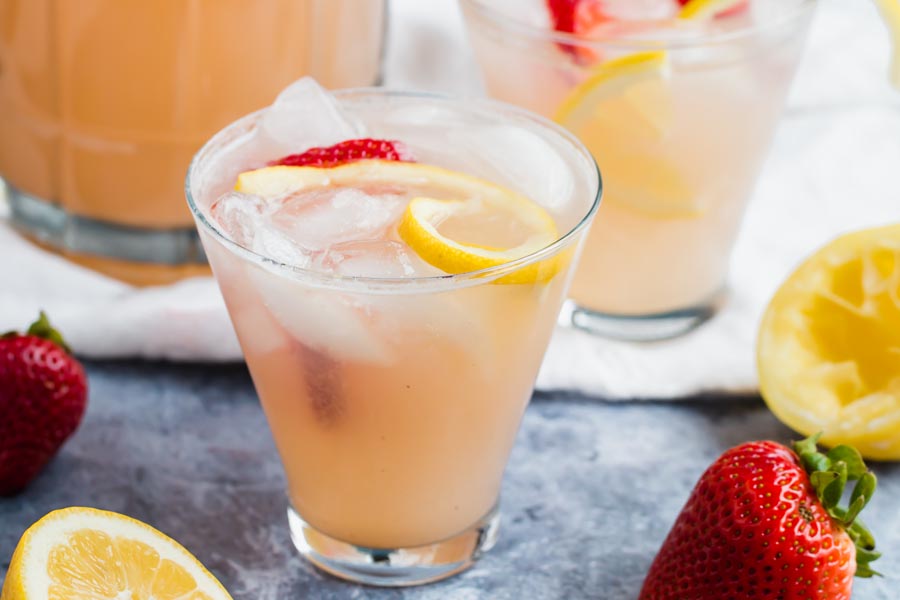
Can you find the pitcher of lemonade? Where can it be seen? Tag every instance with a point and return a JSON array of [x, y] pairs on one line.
[[103, 103]]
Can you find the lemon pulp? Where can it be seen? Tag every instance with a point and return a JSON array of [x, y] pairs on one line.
[[829, 344], [83, 553]]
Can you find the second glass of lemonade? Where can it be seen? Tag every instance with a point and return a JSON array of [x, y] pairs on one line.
[[394, 289], [678, 105]]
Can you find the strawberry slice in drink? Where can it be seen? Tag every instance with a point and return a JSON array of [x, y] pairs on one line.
[[579, 17], [346, 152]]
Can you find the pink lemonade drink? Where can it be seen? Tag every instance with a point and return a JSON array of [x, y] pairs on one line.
[[104, 102], [394, 289], [678, 105]]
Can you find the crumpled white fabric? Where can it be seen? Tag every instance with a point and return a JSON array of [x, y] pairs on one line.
[[833, 168]]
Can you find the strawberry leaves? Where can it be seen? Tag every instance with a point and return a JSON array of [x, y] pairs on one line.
[[44, 330], [829, 474]]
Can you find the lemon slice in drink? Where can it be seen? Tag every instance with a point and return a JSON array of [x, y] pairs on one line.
[[80, 553], [641, 73], [464, 224], [707, 9], [623, 108], [427, 227], [622, 111], [829, 344]]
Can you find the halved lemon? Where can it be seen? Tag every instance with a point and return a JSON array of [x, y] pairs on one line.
[[829, 344], [464, 224], [890, 14], [84, 553]]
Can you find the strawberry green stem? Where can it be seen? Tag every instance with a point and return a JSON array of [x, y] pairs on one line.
[[44, 330], [829, 474]]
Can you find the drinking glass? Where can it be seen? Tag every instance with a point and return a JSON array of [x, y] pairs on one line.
[[394, 402], [680, 130]]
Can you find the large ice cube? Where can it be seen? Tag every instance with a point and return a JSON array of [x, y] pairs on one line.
[[374, 258], [246, 219], [516, 158], [274, 244], [637, 10], [239, 216], [325, 217], [305, 116], [334, 323]]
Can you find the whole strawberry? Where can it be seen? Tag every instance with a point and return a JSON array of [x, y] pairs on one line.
[[43, 394], [763, 522]]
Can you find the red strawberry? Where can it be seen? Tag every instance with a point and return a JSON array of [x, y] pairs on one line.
[[763, 522], [739, 7], [580, 17], [43, 393], [577, 16], [345, 152]]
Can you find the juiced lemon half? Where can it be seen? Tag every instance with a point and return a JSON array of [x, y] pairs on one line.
[[890, 14], [829, 344], [84, 553]]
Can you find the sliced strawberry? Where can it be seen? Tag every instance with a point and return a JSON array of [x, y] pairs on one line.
[[580, 17], [346, 152], [577, 16]]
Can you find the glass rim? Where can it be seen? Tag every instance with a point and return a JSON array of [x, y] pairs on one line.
[[392, 284], [501, 20]]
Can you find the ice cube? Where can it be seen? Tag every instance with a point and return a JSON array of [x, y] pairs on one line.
[[239, 216], [246, 220], [304, 116], [274, 244], [516, 158], [638, 10], [373, 258], [328, 321], [326, 217]]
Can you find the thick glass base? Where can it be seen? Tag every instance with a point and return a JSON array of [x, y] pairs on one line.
[[395, 567], [50, 225], [642, 328]]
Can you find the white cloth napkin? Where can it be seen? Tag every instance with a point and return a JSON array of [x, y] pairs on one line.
[[832, 169]]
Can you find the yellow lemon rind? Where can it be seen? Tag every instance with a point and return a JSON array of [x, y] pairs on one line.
[[607, 80], [706, 9], [418, 231], [806, 391], [890, 15], [33, 552]]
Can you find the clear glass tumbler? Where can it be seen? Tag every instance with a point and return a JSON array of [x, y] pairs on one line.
[[679, 115], [104, 102], [394, 402]]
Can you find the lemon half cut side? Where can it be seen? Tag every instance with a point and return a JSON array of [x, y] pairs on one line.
[[828, 352], [84, 553]]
